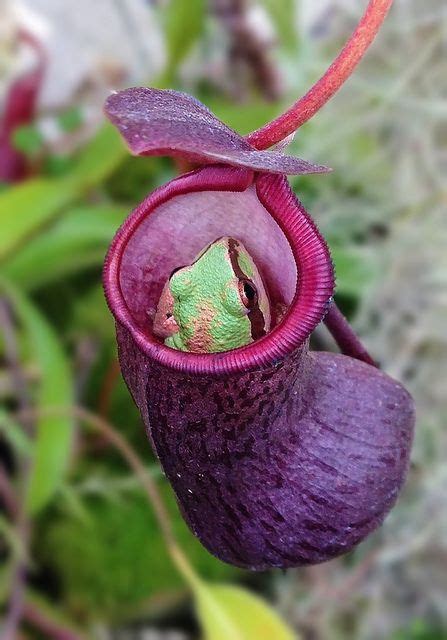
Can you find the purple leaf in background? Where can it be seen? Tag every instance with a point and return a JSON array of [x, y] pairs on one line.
[[164, 122], [20, 107]]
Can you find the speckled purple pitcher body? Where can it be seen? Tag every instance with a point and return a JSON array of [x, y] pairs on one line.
[[278, 456], [272, 468]]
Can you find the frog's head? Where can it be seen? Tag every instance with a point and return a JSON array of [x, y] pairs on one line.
[[217, 303]]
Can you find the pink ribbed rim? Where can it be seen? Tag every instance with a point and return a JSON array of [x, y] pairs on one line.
[[311, 254]]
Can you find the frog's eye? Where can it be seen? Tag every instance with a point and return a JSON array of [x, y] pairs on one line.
[[248, 293]]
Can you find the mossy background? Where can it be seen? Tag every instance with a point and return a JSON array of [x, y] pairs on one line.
[[98, 559]]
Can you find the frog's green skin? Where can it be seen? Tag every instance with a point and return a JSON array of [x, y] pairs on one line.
[[217, 303]]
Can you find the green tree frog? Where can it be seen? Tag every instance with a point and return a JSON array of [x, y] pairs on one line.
[[217, 303]]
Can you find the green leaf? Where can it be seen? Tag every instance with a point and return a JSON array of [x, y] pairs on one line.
[[14, 434], [54, 432], [74, 506], [99, 158], [91, 315], [76, 241], [26, 208], [232, 612], [29, 205], [55, 616], [71, 119], [355, 269], [283, 15], [27, 139], [184, 24], [125, 565], [243, 117], [5, 581], [9, 533], [226, 611]]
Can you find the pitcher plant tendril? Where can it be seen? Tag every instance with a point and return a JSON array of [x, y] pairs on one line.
[[331, 81], [279, 456]]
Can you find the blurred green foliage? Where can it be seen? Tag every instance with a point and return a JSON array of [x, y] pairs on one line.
[[285, 20], [97, 552], [52, 443], [37, 201], [28, 140], [125, 566], [183, 24], [420, 630], [97, 540]]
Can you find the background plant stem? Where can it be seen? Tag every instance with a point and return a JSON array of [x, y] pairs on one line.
[[17, 597]]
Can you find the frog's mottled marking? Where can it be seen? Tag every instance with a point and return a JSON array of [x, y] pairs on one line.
[[217, 303]]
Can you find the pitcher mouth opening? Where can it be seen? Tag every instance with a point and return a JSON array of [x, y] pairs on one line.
[[178, 219]]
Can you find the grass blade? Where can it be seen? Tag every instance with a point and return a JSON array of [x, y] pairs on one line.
[[55, 390]]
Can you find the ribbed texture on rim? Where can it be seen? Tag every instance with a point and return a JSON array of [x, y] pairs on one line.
[[316, 279], [315, 273]]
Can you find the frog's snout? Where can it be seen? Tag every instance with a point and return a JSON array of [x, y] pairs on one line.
[[164, 322]]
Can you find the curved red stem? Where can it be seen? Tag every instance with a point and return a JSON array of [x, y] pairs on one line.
[[339, 71]]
